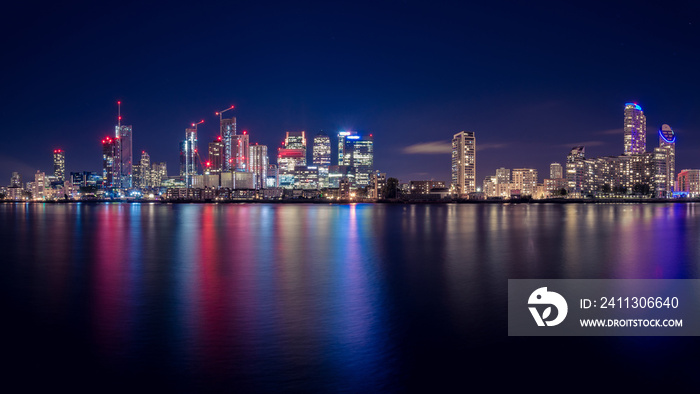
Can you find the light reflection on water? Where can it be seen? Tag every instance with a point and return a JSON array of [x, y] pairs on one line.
[[327, 297]]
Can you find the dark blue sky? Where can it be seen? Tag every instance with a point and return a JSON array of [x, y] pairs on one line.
[[530, 79]]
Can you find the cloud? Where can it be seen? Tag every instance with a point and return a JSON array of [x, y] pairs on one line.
[[584, 143], [429, 148], [442, 147], [610, 132], [482, 147]]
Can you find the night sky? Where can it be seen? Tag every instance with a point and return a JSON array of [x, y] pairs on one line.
[[531, 79]]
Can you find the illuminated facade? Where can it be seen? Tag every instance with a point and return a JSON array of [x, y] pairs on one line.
[[689, 182], [227, 131], [665, 160], [525, 180], [635, 130], [259, 163], [322, 157], [110, 167], [142, 172], [216, 159], [189, 156], [240, 145], [59, 165], [463, 163], [16, 180], [556, 171], [159, 173], [272, 176], [576, 170], [124, 156], [358, 154]]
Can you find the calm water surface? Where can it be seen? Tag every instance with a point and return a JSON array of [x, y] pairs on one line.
[[357, 298]]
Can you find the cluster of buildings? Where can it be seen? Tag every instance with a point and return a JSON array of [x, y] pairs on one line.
[[233, 168], [236, 169], [636, 172]]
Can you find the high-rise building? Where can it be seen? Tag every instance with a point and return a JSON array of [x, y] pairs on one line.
[[125, 156], [39, 190], [635, 130], [159, 173], [464, 163], [689, 182], [189, 155], [216, 151], [296, 140], [110, 162], [227, 131], [259, 163], [575, 170], [16, 180], [293, 155], [556, 171], [59, 165], [143, 180], [241, 152], [667, 168], [525, 180], [502, 176], [358, 154], [322, 157]]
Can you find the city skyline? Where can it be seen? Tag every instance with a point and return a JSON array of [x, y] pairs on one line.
[[535, 76]]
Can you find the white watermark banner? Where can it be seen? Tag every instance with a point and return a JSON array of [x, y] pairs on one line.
[[603, 307]]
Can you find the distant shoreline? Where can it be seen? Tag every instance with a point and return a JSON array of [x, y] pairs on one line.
[[390, 202]]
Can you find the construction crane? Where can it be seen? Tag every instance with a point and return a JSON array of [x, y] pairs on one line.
[[226, 131]]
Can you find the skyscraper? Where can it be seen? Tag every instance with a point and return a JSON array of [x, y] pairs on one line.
[[215, 159], [259, 162], [144, 171], [110, 168], [358, 154], [575, 170], [240, 145], [464, 163], [189, 156], [16, 180], [635, 130], [59, 165], [296, 140], [666, 161], [322, 157], [556, 171], [227, 131]]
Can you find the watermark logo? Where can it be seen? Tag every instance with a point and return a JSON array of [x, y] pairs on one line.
[[543, 297]]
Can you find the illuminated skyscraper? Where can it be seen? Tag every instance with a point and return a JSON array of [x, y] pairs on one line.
[[189, 155], [215, 161], [322, 157], [665, 159], [296, 140], [240, 145], [259, 163], [16, 180], [227, 129], [144, 171], [291, 156], [59, 165], [464, 163], [556, 171], [110, 168], [576, 170], [635, 130], [358, 154]]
